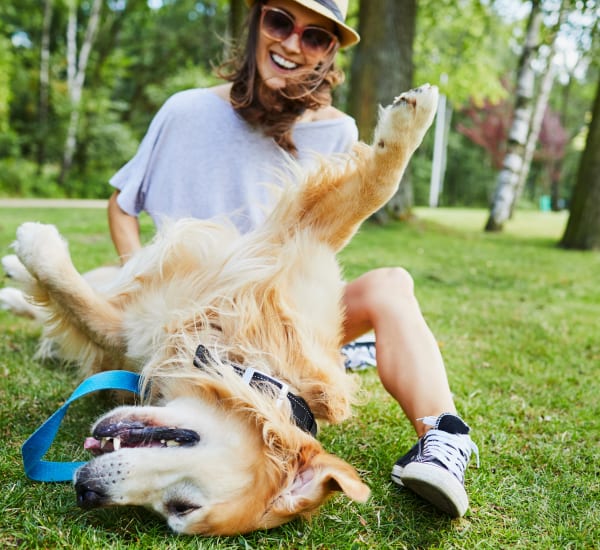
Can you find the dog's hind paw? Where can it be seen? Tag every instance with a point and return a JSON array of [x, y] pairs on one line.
[[14, 268], [40, 247], [13, 300]]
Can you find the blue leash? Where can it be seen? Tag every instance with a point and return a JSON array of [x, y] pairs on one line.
[[39, 442]]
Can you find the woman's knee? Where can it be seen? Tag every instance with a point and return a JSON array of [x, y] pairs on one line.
[[370, 299], [384, 284], [391, 279]]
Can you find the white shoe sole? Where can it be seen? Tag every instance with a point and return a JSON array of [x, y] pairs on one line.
[[436, 485], [397, 475]]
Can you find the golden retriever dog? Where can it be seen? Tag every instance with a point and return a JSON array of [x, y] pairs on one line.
[[237, 338]]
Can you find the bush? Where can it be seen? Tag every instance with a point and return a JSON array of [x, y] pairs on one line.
[[9, 144], [20, 178], [470, 178]]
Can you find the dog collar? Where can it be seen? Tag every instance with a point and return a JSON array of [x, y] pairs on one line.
[[301, 413]]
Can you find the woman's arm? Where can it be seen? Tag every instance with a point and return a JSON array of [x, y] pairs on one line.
[[124, 229]]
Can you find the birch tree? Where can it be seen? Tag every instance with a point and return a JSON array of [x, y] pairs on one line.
[[541, 104], [506, 185], [76, 66], [536, 125]]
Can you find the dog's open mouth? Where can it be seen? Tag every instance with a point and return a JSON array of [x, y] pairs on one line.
[[114, 436]]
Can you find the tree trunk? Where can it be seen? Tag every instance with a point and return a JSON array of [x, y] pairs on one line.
[[508, 177], [539, 110], [583, 228], [237, 15], [44, 84], [382, 68], [541, 105], [76, 67]]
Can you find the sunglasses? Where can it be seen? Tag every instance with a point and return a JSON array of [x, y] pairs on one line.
[[279, 25]]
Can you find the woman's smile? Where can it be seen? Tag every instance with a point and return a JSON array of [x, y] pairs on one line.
[[282, 62]]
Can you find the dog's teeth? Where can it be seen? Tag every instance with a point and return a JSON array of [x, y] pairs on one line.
[[104, 441], [117, 443], [173, 443]]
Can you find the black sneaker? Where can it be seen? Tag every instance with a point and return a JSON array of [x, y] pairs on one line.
[[435, 467]]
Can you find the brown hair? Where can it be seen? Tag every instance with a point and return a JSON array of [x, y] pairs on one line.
[[275, 111]]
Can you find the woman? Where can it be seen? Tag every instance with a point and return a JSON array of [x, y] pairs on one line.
[[209, 152]]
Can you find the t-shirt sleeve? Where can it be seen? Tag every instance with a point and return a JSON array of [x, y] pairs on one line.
[[132, 179]]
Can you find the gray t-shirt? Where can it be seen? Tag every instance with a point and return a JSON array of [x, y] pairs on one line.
[[200, 159]]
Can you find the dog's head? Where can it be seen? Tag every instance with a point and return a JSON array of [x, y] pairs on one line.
[[209, 468]]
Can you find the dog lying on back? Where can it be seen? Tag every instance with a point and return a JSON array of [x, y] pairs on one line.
[[220, 449]]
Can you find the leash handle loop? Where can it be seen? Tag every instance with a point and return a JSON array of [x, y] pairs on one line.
[[37, 445]]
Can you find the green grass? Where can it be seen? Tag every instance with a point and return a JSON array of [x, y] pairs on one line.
[[517, 320]]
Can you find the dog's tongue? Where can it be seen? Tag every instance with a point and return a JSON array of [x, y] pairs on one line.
[[93, 445]]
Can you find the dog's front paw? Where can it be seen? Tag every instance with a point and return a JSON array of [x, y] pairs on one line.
[[39, 247], [425, 98], [407, 119]]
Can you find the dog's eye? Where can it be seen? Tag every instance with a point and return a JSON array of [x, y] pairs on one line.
[[180, 507]]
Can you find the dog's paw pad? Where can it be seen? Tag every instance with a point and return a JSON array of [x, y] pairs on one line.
[[404, 99], [408, 118], [424, 97]]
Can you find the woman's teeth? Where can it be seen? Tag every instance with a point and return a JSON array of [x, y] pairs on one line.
[[282, 62]]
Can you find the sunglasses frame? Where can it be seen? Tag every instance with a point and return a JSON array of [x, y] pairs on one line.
[[297, 30]]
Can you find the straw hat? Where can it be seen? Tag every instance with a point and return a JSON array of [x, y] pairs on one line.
[[336, 11]]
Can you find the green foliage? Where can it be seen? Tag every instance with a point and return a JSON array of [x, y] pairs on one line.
[[143, 55], [516, 318], [6, 61], [457, 48], [20, 178], [188, 77], [470, 178]]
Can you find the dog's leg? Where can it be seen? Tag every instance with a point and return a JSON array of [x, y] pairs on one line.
[[13, 299], [333, 202], [56, 285]]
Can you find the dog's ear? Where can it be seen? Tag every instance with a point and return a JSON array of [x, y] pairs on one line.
[[314, 481]]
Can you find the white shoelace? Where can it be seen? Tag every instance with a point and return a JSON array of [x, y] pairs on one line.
[[452, 450]]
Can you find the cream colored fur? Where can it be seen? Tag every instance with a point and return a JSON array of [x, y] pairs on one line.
[[269, 299]]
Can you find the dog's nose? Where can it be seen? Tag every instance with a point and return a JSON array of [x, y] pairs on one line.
[[89, 489], [89, 496]]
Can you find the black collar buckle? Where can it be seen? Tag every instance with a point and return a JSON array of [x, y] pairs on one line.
[[301, 413]]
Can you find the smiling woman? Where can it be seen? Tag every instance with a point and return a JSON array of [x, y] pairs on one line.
[[286, 72]]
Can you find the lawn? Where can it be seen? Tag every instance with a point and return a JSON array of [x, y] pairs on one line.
[[517, 320]]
